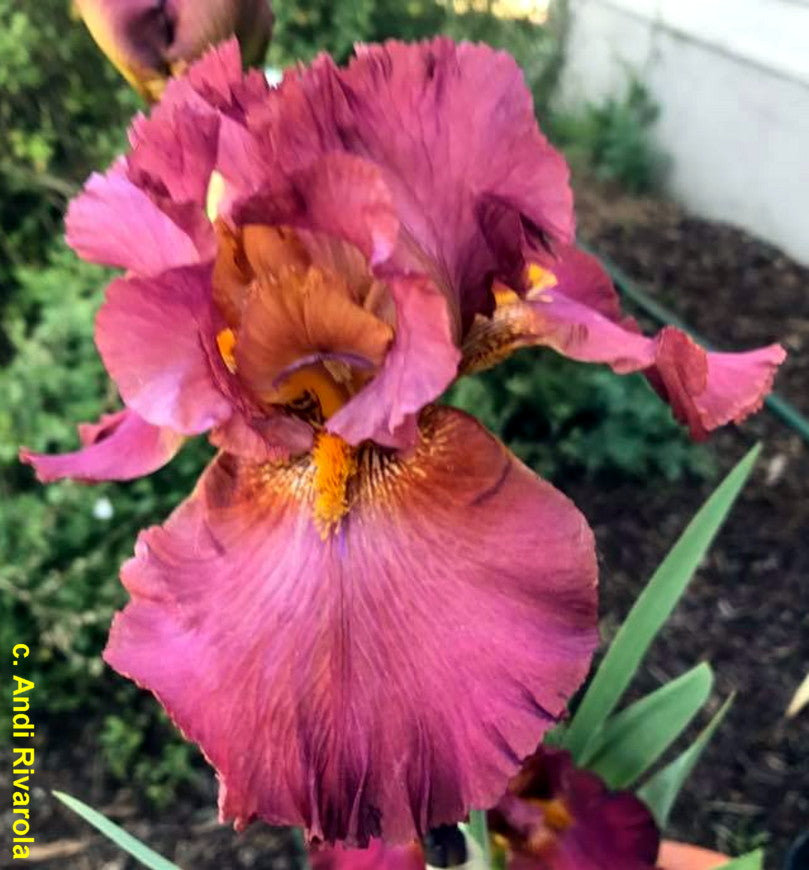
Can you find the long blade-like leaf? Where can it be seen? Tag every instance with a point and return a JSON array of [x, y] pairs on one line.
[[652, 609], [661, 791], [631, 742], [119, 836]]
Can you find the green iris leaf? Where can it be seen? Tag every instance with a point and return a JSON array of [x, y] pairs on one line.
[[650, 612], [660, 792], [631, 742], [119, 836]]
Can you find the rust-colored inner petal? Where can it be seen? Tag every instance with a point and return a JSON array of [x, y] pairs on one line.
[[300, 333]]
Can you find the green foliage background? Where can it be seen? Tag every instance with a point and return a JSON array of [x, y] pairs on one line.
[[63, 112]]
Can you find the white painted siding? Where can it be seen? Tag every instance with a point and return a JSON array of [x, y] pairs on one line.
[[732, 80]]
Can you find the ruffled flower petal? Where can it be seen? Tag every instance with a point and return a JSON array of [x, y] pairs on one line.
[[453, 128], [453, 132], [707, 390], [338, 194], [419, 366], [174, 151], [574, 311], [271, 437], [115, 222], [158, 341], [385, 678], [122, 446]]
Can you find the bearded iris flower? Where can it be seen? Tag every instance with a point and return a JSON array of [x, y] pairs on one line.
[[368, 611], [556, 816], [150, 40]]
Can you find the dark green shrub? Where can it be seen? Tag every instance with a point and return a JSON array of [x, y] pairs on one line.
[[63, 111], [567, 419], [62, 544]]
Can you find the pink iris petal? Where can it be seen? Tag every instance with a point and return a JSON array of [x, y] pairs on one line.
[[578, 317], [377, 856], [341, 195], [383, 680], [122, 446], [269, 438], [175, 150], [215, 91], [158, 341], [218, 78], [451, 128], [116, 223], [420, 365], [707, 390], [582, 277]]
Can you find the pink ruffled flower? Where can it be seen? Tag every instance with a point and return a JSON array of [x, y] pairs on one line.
[[151, 40], [556, 816], [368, 611]]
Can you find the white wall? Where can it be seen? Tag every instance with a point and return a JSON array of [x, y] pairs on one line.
[[732, 81]]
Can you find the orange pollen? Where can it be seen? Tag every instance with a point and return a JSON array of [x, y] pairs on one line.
[[504, 295], [335, 463], [540, 279], [556, 814], [226, 342]]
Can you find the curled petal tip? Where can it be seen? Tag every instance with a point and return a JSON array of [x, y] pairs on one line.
[[121, 446]]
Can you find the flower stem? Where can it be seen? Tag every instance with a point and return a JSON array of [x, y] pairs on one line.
[[479, 829]]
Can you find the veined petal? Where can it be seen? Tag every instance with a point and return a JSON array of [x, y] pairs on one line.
[[419, 366], [158, 341], [271, 437], [383, 679], [451, 129], [707, 390], [137, 234], [337, 194], [175, 149], [575, 313], [121, 446]]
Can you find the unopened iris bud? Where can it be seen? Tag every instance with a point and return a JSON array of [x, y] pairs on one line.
[[152, 40]]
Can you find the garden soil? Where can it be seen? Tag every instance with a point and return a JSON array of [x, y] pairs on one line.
[[746, 611]]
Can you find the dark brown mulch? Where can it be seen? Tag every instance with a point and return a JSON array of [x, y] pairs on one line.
[[746, 611]]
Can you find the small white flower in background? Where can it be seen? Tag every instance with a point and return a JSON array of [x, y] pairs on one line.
[[103, 509]]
